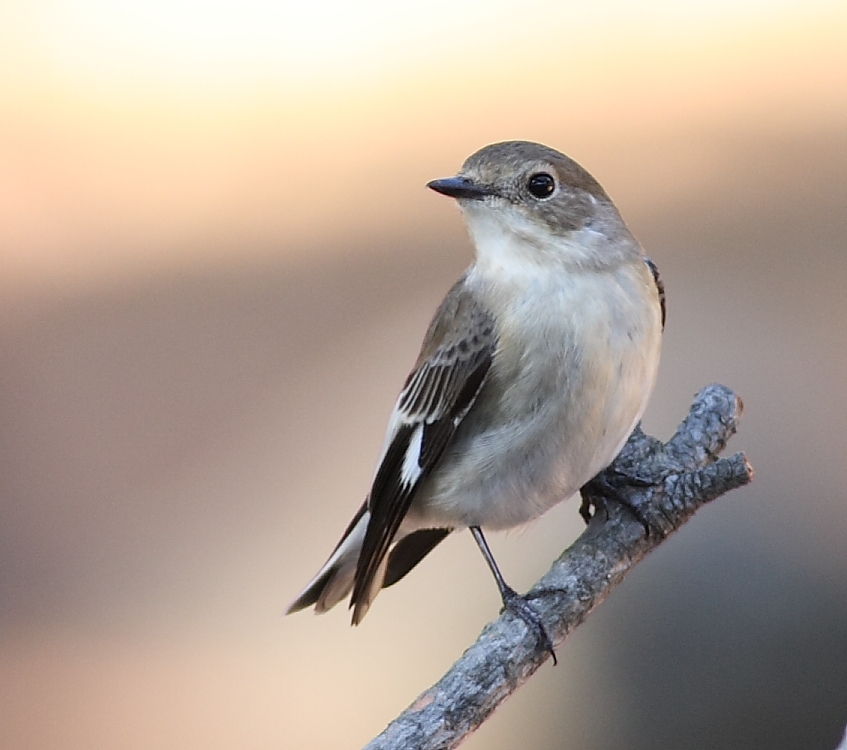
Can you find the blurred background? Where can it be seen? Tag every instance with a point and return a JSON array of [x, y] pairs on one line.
[[217, 260]]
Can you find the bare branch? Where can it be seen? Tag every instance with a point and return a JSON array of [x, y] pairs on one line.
[[665, 484]]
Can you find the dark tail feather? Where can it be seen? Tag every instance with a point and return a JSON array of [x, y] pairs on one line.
[[335, 580], [409, 551], [405, 554]]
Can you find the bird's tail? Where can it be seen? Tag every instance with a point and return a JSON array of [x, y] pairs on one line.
[[335, 579]]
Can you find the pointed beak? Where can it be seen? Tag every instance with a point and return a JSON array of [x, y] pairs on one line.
[[460, 187]]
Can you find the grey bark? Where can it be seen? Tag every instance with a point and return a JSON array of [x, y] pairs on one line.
[[665, 484]]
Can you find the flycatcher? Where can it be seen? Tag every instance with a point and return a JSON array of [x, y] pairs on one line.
[[533, 373]]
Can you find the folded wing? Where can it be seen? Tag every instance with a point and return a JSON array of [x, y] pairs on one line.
[[441, 389]]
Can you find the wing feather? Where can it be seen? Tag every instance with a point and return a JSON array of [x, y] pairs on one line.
[[660, 287], [450, 371]]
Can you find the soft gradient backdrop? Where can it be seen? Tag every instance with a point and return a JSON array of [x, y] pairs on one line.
[[217, 259]]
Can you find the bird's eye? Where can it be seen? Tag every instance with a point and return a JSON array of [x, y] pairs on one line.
[[541, 185]]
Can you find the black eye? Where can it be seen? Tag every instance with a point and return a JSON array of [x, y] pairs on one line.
[[541, 185]]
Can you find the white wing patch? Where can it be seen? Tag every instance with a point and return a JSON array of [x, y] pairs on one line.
[[411, 470]]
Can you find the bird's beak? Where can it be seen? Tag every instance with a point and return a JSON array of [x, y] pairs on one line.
[[460, 187]]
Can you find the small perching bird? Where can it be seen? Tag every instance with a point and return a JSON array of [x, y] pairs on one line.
[[533, 373]]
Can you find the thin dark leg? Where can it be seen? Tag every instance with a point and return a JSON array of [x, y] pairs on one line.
[[512, 600]]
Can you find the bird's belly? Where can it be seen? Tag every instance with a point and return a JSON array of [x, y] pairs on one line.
[[504, 481], [517, 454]]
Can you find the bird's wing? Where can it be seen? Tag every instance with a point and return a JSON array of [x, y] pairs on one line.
[[451, 368], [660, 286]]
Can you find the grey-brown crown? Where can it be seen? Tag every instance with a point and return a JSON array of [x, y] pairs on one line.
[[507, 164]]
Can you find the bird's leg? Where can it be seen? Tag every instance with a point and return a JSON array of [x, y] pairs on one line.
[[512, 600]]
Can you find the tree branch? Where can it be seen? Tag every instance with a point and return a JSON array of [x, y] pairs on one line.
[[665, 484]]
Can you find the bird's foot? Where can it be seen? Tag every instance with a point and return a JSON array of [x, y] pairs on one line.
[[520, 607], [614, 485]]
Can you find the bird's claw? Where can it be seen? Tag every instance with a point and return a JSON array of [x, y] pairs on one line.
[[520, 607], [612, 485]]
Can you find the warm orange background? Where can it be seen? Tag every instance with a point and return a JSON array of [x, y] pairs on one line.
[[217, 259]]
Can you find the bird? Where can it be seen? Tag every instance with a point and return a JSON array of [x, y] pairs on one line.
[[536, 368]]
